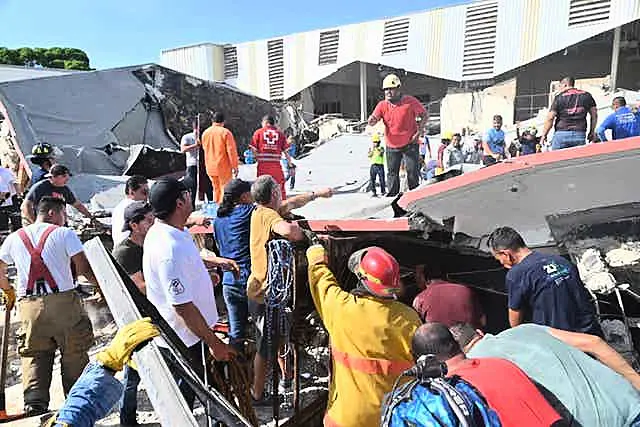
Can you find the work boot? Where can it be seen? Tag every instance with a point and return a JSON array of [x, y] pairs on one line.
[[34, 410]]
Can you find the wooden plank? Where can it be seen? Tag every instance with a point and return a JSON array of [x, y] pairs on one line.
[[161, 388]]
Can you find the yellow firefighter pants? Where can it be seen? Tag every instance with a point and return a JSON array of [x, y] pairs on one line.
[[50, 322]]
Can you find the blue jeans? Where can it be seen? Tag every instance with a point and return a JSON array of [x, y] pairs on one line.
[[129, 402], [567, 139], [235, 298]]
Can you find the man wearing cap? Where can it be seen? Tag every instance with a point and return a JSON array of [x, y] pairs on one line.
[[370, 333], [177, 280], [266, 222], [231, 231], [51, 313], [135, 189], [405, 119], [138, 218], [54, 186], [41, 156]]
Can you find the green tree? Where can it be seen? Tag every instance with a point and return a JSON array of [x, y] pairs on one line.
[[54, 57]]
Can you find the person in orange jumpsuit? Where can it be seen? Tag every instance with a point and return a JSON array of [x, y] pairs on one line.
[[268, 145], [220, 155]]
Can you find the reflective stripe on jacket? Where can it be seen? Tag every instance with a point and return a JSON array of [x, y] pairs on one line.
[[370, 346]]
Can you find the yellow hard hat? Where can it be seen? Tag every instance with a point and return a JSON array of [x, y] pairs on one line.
[[375, 137], [391, 82], [447, 135]]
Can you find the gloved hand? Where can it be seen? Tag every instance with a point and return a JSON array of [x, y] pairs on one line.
[[128, 338], [316, 254], [9, 297]]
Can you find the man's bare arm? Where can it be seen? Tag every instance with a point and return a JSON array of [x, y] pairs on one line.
[[289, 230], [82, 209], [548, 123], [198, 326], [138, 279], [301, 200], [515, 317], [4, 279], [602, 351], [188, 147], [373, 120], [83, 267], [27, 210], [593, 113]]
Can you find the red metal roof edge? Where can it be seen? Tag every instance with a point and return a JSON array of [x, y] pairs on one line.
[[517, 164], [394, 224]]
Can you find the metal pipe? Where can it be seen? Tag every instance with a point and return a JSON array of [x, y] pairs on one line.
[[363, 91]]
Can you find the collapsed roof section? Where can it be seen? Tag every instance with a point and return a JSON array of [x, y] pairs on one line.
[[105, 122]]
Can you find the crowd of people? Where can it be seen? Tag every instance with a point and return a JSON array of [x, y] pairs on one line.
[[572, 115], [551, 367]]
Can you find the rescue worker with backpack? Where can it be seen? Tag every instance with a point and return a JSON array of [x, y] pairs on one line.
[[370, 333], [51, 312]]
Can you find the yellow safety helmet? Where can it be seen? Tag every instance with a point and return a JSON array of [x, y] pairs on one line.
[[375, 137], [447, 135], [391, 82]]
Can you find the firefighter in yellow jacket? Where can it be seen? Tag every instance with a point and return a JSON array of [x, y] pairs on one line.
[[370, 333]]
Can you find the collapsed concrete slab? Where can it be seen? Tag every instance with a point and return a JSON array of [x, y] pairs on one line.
[[99, 118]]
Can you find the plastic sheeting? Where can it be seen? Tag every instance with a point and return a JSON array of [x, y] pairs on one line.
[[82, 114]]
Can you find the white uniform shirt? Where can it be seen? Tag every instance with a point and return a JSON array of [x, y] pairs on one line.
[[175, 274], [192, 155], [117, 221], [61, 245], [7, 184]]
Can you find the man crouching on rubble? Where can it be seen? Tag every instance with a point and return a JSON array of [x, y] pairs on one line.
[[370, 333], [51, 312]]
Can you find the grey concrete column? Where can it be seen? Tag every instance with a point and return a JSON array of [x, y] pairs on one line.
[[363, 91], [615, 56]]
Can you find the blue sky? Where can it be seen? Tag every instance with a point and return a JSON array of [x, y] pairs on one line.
[[126, 32]]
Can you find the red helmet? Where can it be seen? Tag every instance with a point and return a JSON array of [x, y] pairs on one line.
[[377, 270]]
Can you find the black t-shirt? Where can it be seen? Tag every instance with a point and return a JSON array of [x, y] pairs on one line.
[[549, 290], [46, 188], [129, 256], [571, 107]]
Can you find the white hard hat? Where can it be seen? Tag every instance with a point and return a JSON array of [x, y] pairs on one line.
[[391, 82]]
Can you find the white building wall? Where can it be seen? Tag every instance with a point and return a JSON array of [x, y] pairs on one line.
[[527, 30], [195, 60]]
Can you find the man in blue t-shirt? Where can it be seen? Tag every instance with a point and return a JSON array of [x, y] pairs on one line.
[[493, 143], [542, 288], [623, 122]]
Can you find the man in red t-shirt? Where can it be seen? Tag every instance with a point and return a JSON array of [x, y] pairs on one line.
[[404, 118], [506, 388], [268, 145], [449, 303]]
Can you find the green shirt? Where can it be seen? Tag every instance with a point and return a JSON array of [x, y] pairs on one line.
[[376, 155], [592, 393]]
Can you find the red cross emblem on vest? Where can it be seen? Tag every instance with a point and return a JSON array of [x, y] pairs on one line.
[[271, 136]]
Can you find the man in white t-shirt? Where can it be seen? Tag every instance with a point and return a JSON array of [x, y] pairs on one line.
[[177, 281], [136, 190], [7, 187], [190, 146], [51, 312]]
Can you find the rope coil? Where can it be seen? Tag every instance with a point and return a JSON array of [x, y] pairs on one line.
[[279, 292]]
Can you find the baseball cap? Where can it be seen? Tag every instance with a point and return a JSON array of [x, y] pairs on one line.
[[135, 212], [58, 170], [236, 188], [164, 193]]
